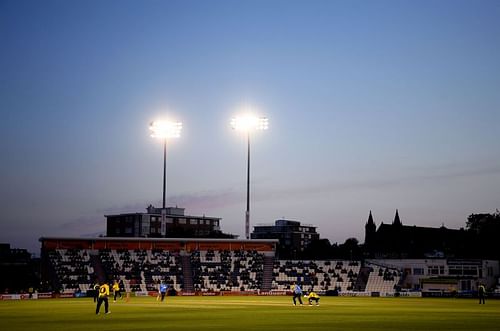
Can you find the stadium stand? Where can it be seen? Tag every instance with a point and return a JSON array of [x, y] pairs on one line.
[[204, 266], [317, 276], [72, 269], [214, 271], [227, 270], [142, 270], [382, 279]]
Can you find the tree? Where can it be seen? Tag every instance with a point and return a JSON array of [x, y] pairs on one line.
[[350, 250], [482, 223], [485, 229], [318, 249]]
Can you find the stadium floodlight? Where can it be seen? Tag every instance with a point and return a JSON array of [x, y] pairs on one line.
[[164, 130], [249, 123]]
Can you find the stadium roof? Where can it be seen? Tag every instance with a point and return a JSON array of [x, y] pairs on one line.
[[163, 239]]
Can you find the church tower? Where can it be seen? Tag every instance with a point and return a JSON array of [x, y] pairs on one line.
[[397, 221], [370, 229]]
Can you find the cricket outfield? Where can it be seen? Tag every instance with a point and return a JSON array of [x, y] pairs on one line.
[[252, 313]]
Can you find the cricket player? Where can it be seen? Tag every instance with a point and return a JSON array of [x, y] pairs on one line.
[[103, 297], [163, 290], [297, 293], [96, 292], [116, 291], [312, 296]]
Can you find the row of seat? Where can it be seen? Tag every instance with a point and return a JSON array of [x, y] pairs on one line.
[[73, 269], [227, 270], [382, 279], [211, 270], [316, 276]]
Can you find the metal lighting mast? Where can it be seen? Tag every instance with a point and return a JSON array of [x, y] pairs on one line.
[[247, 124]]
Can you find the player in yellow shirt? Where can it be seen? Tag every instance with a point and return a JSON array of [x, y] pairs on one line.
[[116, 290], [103, 297], [312, 296]]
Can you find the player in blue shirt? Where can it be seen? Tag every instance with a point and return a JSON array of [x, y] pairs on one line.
[[163, 290], [297, 293]]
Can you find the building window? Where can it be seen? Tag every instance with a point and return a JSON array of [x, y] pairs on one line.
[[182, 221], [465, 285], [453, 270], [470, 271], [433, 270], [418, 271]]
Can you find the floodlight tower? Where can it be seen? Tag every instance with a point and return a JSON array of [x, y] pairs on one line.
[[247, 124], [164, 130]]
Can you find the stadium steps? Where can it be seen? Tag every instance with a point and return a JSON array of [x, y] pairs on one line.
[[187, 273], [52, 274], [402, 281], [98, 268], [267, 276], [362, 279]]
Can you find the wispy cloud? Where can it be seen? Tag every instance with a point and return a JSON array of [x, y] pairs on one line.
[[80, 225], [208, 199], [227, 197], [451, 172], [130, 207]]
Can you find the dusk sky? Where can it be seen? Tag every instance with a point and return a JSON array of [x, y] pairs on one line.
[[372, 105]]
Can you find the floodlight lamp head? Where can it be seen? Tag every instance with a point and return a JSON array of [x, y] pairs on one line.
[[165, 129], [249, 123]]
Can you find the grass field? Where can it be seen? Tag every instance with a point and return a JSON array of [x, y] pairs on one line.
[[252, 313]]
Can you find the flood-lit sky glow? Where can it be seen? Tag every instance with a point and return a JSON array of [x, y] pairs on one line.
[[372, 105]]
